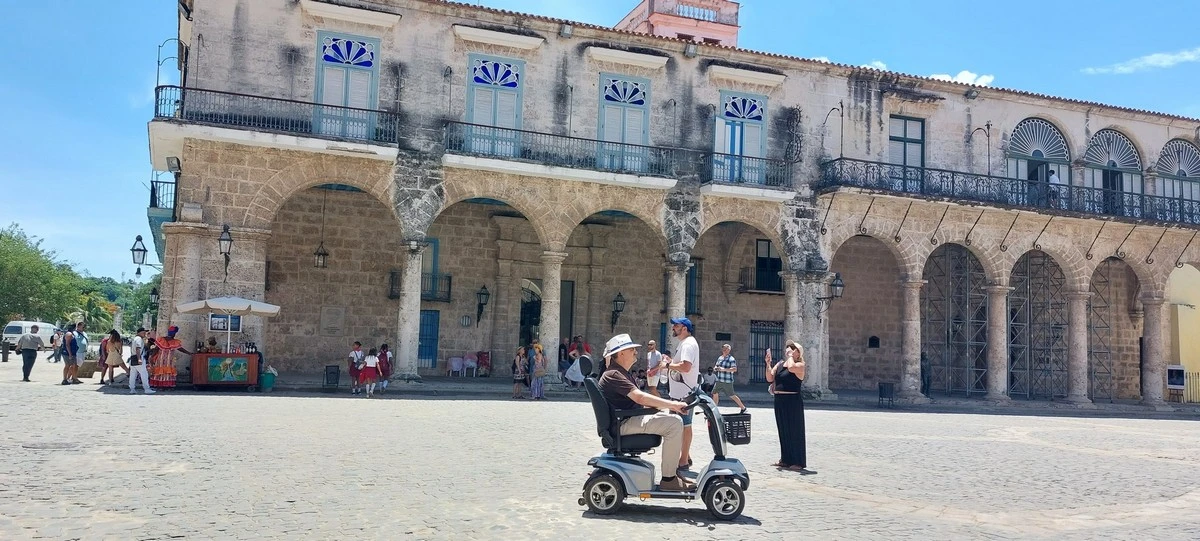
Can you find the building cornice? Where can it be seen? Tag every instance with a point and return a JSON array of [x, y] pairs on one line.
[[502, 39], [750, 77], [353, 15], [618, 56]]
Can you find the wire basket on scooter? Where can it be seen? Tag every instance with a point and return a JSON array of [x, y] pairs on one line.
[[737, 428]]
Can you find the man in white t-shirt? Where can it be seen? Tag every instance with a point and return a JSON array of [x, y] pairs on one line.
[[685, 376], [653, 358], [137, 363]]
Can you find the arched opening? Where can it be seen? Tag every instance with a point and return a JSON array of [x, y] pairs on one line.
[[1113, 176], [471, 244], [738, 295], [531, 311], [612, 252], [1178, 182], [324, 310], [1038, 156], [954, 321], [1037, 328], [1114, 331], [864, 325]]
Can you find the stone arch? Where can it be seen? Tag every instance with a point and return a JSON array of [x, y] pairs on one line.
[[1145, 273], [871, 307], [317, 170], [1037, 320], [1114, 324], [1064, 254], [954, 319], [901, 252], [459, 192], [994, 267], [650, 213], [760, 215], [732, 265]]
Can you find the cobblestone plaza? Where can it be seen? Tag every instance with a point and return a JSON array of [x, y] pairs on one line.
[[86, 463]]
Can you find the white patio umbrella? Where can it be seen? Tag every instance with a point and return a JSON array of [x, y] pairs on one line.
[[230, 306]]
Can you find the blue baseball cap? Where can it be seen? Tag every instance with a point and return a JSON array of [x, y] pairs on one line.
[[685, 322]]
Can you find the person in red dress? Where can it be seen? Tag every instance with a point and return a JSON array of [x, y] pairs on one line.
[[355, 361], [369, 373], [385, 367], [162, 364]]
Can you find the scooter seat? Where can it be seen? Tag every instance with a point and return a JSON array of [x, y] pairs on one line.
[[638, 443]]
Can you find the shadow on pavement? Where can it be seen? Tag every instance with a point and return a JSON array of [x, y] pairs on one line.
[[693, 514]]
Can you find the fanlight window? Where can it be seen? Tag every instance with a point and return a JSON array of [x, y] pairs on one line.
[[1179, 159], [1037, 138], [1108, 148]]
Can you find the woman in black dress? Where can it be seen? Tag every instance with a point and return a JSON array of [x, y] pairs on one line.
[[786, 378]]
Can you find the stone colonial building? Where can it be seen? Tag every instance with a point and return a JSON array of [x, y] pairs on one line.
[[1020, 244]]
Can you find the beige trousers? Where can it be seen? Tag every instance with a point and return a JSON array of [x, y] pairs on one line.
[[667, 425]]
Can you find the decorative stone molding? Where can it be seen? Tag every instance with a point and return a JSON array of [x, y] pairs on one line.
[[502, 39], [618, 56], [348, 14], [759, 78]]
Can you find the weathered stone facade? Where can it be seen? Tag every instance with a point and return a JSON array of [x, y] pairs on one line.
[[513, 223]]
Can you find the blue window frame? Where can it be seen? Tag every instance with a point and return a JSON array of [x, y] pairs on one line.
[[347, 85], [494, 88], [429, 260], [624, 118], [739, 141], [427, 340]]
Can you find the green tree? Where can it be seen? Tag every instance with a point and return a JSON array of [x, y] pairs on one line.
[[32, 284], [95, 312], [139, 301]]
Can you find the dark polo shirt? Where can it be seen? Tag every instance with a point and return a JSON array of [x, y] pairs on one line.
[[616, 384]]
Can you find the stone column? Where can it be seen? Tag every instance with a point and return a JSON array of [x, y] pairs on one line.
[[676, 298], [182, 278], [997, 343], [1077, 347], [496, 309], [409, 324], [594, 331], [551, 304], [814, 333], [1154, 362], [793, 316], [910, 341]]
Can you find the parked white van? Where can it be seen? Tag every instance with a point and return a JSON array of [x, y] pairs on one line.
[[15, 329]]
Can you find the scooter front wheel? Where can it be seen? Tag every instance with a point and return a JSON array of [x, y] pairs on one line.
[[725, 499], [604, 494]]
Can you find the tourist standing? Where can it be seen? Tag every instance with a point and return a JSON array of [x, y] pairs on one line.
[[162, 366], [685, 376], [653, 358], [564, 359], [537, 388], [787, 376], [724, 372], [113, 352], [29, 344], [74, 350], [56, 346], [137, 363], [518, 373]]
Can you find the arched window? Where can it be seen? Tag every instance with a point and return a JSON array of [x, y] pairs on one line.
[[1038, 155], [1178, 171], [1114, 174]]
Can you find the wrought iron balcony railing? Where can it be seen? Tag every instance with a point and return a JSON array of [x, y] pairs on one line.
[[760, 279], [1006, 191], [435, 287], [162, 194], [275, 115], [695, 10], [740, 170], [559, 150]]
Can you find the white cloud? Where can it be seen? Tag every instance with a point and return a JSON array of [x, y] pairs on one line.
[[821, 59], [1148, 62], [965, 76], [876, 64]]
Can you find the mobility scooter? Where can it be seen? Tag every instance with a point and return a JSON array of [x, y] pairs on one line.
[[619, 473]]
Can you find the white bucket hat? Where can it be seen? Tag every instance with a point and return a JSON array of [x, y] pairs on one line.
[[619, 343]]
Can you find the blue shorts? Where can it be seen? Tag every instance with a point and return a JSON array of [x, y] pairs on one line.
[[687, 417]]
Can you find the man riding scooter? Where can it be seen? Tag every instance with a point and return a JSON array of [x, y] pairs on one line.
[[622, 393]]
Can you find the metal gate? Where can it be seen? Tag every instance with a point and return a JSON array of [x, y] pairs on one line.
[[954, 322], [763, 335], [1100, 361], [1037, 323], [427, 339]]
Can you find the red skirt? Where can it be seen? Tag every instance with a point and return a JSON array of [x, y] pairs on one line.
[[368, 373]]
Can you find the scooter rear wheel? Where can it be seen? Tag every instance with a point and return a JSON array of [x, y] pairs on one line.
[[724, 499], [604, 494]]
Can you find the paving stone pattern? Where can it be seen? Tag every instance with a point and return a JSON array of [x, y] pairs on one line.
[[85, 462]]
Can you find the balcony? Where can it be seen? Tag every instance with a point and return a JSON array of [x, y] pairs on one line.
[[760, 280], [1010, 192], [561, 151], [275, 115], [162, 195], [696, 10], [160, 211], [744, 176], [435, 287]]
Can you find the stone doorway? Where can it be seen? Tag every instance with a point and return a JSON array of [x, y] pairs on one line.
[[531, 312]]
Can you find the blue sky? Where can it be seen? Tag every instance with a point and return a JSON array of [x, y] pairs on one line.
[[74, 159]]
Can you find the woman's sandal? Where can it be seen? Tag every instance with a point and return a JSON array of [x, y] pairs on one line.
[[781, 465]]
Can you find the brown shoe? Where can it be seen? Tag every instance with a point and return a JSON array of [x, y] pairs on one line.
[[678, 484]]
